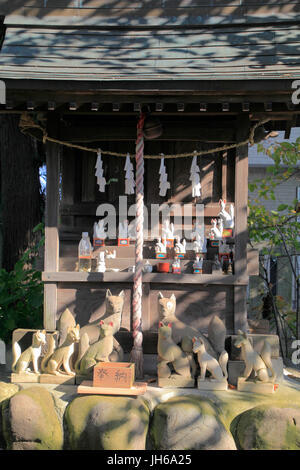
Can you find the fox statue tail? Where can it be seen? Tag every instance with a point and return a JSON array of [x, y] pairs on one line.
[[84, 344], [266, 355], [16, 351], [50, 351], [223, 360], [217, 334]]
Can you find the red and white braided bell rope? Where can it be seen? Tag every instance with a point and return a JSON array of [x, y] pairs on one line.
[[137, 351]]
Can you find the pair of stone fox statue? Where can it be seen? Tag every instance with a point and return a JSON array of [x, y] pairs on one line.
[[177, 343]]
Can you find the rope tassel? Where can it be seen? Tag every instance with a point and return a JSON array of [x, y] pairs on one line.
[[137, 350]]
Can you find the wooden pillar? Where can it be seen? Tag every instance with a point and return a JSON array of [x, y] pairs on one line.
[[241, 232], [51, 233]]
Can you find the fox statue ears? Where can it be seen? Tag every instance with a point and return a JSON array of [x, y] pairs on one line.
[[242, 333], [101, 322], [161, 324], [161, 296], [109, 294], [194, 339]]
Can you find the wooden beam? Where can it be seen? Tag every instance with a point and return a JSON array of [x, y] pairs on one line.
[[241, 232], [125, 131], [51, 233], [153, 278]]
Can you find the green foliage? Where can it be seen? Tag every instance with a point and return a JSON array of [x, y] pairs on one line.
[[278, 230], [21, 293], [283, 222]]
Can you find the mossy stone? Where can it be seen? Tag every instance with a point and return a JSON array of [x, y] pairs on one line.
[[107, 423], [30, 421], [7, 390], [189, 423], [269, 427]]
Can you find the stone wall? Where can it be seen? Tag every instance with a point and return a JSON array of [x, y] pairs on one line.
[[36, 418]]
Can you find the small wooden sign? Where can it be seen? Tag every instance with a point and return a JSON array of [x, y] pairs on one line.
[[114, 375]]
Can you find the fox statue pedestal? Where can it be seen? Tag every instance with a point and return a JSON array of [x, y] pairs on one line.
[[212, 384], [253, 386]]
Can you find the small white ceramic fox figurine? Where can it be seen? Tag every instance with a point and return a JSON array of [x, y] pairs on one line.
[[215, 232], [228, 218], [200, 244], [111, 254], [180, 247], [99, 230], [160, 246], [167, 230]]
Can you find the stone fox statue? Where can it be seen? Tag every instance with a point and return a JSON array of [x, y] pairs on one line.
[[218, 369], [183, 333], [114, 305], [21, 361], [169, 352], [97, 352], [60, 357], [259, 363]]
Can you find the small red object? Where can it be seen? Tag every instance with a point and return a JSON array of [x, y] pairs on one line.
[[170, 242], [176, 270], [163, 267], [123, 241]]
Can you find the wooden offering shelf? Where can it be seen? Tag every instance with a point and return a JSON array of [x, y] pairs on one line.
[[86, 387], [120, 277]]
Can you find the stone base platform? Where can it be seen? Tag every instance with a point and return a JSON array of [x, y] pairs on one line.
[[255, 387], [42, 378], [212, 384], [176, 381]]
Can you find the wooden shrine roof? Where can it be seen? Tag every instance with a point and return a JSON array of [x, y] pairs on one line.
[[150, 39]]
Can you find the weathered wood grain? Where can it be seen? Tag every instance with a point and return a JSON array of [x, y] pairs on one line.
[[241, 232], [51, 233], [126, 277]]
